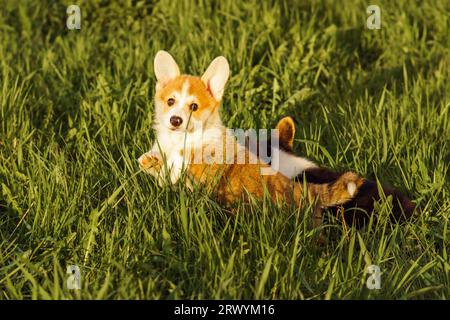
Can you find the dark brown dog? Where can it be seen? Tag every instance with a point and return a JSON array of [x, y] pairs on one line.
[[358, 210]]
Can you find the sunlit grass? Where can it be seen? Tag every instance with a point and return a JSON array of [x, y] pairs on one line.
[[76, 111]]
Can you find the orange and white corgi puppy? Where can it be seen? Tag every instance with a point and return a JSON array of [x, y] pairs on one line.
[[187, 123], [186, 113]]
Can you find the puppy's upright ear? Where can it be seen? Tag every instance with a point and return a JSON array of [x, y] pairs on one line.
[[165, 68], [286, 131], [216, 76]]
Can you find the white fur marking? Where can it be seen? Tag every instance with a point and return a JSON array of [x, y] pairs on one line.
[[351, 188], [184, 97], [289, 164]]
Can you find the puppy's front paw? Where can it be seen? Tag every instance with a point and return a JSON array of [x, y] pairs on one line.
[[150, 160]]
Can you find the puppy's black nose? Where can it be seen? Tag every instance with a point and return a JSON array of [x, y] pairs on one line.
[[176, 121]]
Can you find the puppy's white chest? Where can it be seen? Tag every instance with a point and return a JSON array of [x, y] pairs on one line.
[[172, 146]]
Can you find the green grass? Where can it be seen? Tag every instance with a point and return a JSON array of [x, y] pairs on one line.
[[76, 112]]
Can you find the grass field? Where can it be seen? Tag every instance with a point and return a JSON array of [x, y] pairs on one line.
[[76, 111]]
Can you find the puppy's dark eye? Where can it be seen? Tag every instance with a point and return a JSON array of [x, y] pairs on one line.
[[193, 107], [171, 101]]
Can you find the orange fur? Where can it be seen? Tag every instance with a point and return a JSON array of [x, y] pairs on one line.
[[197, 89], [286, 132], [234, 182]]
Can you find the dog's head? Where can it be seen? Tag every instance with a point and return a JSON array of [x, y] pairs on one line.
[[186, 103]]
